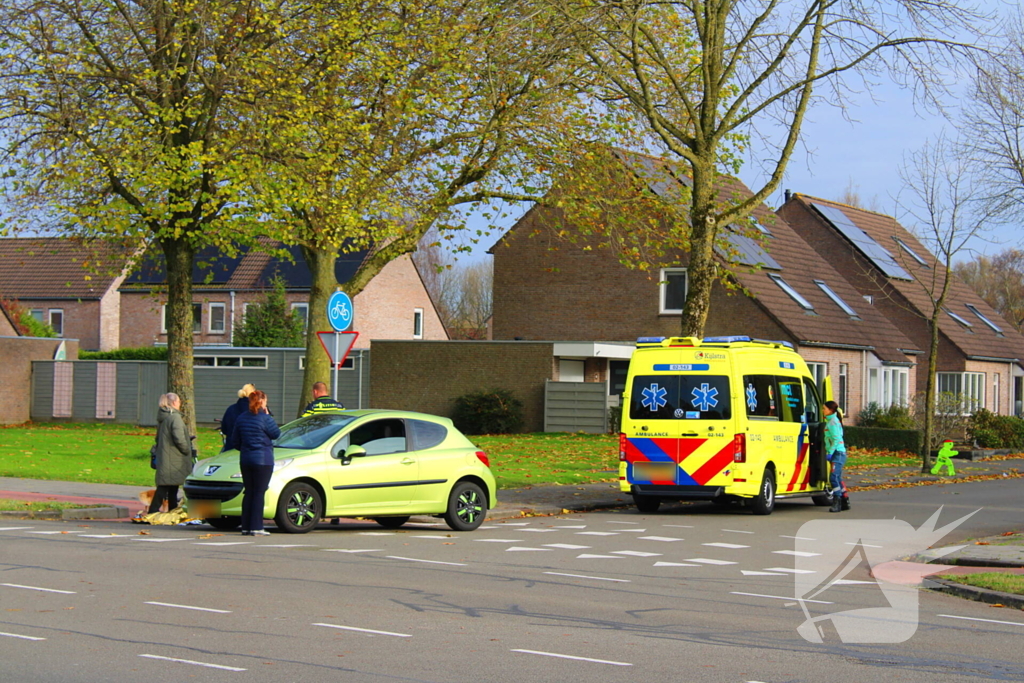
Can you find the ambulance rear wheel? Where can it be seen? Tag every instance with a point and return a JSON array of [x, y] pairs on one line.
[[764, 502], [647, 504]]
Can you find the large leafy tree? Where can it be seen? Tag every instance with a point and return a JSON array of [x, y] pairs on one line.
[[407, 113], [710, 79], [999, 280], [127, 120]]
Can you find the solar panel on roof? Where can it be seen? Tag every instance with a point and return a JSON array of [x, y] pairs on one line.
[[655, 175], [867, 246], [745, 250]]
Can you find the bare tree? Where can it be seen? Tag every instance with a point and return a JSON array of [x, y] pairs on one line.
[[999, 280], [940, 195], [460, 290], [730, 72]]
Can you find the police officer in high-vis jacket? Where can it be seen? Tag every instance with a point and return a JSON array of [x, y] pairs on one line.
[[321, 403]]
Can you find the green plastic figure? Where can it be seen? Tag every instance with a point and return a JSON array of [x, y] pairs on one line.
[[945, 457]]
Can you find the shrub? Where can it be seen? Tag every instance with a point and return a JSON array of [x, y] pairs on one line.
[[881, 438], [989, 430], [893, 417], [25, 323], [141, 353], [614, 419], [488, 412]]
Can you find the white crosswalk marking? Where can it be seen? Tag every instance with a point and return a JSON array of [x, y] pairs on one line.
[[664, 539], [796, 553], [635, 553], [567, 546], [730, 546], [706, 560]]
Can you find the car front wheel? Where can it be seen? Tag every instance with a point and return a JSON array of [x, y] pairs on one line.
[[467, 507], [299, 508]]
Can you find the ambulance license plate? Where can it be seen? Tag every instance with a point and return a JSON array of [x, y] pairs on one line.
[[655, 471]]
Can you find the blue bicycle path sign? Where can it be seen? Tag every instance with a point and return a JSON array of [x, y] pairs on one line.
[[340, 311]]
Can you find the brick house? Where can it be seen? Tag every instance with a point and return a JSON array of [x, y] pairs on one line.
[[395, 305], [546, 288], [7, 328], [70, 284], [979, 352]]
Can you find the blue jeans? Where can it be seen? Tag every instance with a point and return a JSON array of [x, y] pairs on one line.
[[836, 477], [255, 479]]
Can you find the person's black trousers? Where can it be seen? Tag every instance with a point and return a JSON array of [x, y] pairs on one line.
[[256, 479], [162, 492]]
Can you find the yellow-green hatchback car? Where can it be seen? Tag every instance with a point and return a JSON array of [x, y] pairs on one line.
[[385, 465]]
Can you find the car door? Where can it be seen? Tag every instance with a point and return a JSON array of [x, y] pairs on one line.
[[382, 478], [437, 464]]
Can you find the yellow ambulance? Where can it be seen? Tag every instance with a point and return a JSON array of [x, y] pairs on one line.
[[725, 419]]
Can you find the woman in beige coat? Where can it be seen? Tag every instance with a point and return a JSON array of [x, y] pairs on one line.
[[173, 453]]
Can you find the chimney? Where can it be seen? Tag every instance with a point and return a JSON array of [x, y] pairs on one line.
[[788, 195]]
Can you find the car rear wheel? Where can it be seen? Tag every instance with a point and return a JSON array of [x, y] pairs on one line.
[[647, 504], [391, 522], [764, 502], [224, 523], [467, 507], [299, 508]]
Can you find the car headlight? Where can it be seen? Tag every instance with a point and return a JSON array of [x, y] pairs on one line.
[[197, 469], [281, 464]]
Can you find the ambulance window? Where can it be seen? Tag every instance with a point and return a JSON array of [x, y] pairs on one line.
[[680, 397], [812, 407], [760, 396], [791, 403]]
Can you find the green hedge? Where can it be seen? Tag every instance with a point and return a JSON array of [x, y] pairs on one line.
[[142, 353], [879, 438], [996, 431], [496, 411]]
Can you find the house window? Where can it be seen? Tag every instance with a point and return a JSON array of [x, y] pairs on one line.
[[969, 386], [417, 323], [888, 386], [57, 321], [844, 372], [836, 299], [229, 361], [819, 371], [795, 295], [571, 370], [217, 325], [995, 393], [245, 311], [38, 314], [348, 364], [672, 290], [302, 310], [991, 325], [197, 319]]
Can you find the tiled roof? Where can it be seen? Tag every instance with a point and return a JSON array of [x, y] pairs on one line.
[[800, 268], [59, 267], [977, 340]]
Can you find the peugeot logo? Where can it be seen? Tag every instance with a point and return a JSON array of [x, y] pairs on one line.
[[211, 469]]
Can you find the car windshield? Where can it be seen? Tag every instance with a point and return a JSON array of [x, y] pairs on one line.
[[312, 431]]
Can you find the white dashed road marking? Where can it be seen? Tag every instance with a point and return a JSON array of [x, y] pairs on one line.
[[225, 543], [615, 522], [852, 582], [781, 597], [198, 609], [56, 532], [427, 536], [495, 540], [376, 533], [107, 536], [14, 528], [787, 570], [597, 533], [674, 564], [990, 621], [679, 526], [578, 659], [17, 635], [356, 550], [736, 531], [368, 631], [665, 539], [799, 538], [572, 526], [750, 573], [586, 556], [517, 548], [705, 560], [635, 553], [539, 531], [160, 540], [413, 559], [595, 578], [189, 661], [865, 545], [567, 546], [795, 553], [37, 588], [730, 546], [286, 545]]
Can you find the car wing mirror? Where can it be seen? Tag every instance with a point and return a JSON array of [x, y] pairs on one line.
[[353, 451]]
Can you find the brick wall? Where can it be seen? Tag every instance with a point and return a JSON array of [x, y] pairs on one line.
[[81, 318], [546, 288], [384, 309], [16, 379], [428, 376], [1003, 371]]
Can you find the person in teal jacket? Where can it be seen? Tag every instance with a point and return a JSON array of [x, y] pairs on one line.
[[835, 452]]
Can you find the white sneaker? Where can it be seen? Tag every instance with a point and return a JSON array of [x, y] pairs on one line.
[[259, 532]]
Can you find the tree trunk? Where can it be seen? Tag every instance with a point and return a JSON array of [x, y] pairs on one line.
[[318, 363], [701, 272], [929, 392], [179, 255]]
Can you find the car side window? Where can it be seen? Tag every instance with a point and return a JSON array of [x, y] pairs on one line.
[[380, 437], [426, 434]]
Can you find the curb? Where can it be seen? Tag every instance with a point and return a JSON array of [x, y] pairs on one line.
[[106, 512], [986, 595]]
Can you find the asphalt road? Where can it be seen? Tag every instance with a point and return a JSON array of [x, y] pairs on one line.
[[692, 594]]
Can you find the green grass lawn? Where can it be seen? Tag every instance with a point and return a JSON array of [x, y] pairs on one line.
[[997, 581], [119, 454], [8, 505]]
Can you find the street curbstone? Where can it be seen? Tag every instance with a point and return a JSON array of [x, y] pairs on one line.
[[975, 593], [113, 512]]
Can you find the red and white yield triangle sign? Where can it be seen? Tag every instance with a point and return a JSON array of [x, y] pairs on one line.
[[337, 345]]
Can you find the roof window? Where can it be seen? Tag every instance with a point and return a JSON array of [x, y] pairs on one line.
[[795, 295], [913, 254], [962, 321], [836, 299], [995, 328]]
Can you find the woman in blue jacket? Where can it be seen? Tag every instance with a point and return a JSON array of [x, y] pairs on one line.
[[835, 452], [227, 423], [253, 434]]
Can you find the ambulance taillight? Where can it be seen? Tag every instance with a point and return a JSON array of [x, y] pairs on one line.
[[739, 443], [622, 447]]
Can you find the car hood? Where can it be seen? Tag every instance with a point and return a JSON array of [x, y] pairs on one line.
[[225, 464]]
